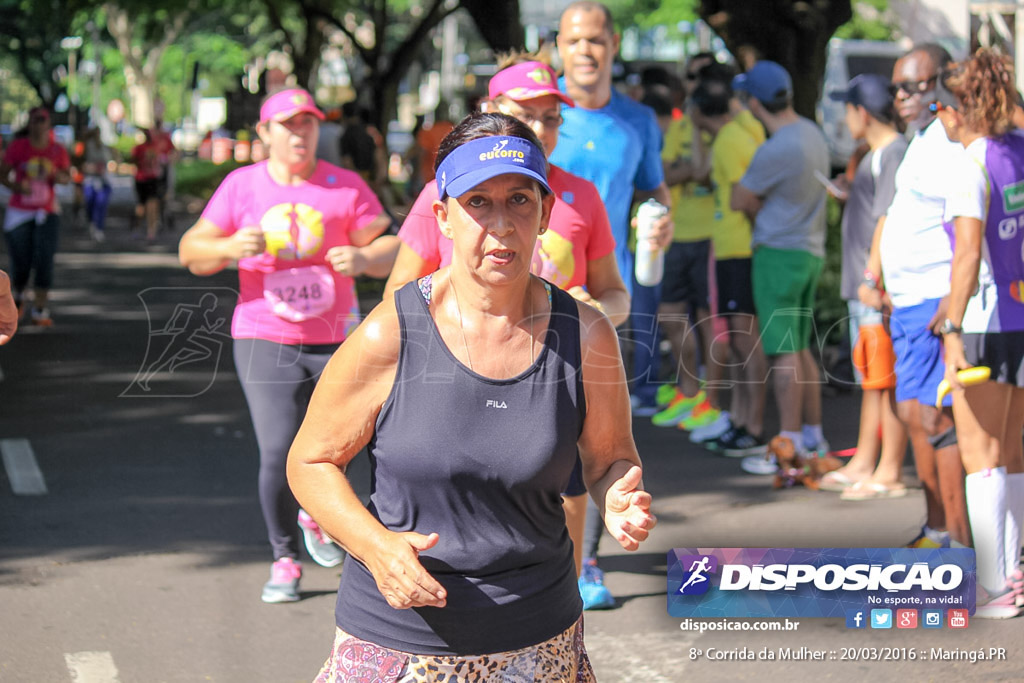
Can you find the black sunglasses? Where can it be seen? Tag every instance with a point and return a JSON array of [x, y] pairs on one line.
[[913, 87]]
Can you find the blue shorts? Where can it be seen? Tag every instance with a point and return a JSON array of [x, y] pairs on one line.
[[919, 354]]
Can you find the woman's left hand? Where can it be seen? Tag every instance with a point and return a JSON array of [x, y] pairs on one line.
[[627, 510], [347, 260]]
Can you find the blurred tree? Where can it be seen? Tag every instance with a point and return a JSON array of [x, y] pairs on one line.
[[794, 33], [16, 94], [31, 32], [143, 33], [386, 36], [872, 20]]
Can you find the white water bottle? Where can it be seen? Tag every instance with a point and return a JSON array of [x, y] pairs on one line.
[[650, 260]]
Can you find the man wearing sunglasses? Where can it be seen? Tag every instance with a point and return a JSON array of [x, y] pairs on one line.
[[910, 262]]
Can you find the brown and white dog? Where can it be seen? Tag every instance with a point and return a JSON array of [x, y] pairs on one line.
[[796, 469]]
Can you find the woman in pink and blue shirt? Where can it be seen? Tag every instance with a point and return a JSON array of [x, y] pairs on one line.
[[300, 230]]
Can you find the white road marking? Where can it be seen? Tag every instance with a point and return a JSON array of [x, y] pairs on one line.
[[91, 667], [22, 469]]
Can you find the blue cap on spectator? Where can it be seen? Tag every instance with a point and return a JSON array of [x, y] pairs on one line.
[[766, 81], [870, 91]]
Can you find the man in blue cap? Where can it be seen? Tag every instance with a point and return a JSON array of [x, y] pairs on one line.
[[786, 205]]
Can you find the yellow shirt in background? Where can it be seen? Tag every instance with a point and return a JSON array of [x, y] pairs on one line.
[[751, 125], [693, 205], [731, 152]]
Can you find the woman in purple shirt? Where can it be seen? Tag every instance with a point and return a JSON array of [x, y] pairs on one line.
[[985, 323]]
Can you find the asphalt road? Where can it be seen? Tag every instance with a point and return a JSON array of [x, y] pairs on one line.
[[144, 558]]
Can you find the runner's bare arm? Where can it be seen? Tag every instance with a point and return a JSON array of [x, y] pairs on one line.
[[611, 464], [206, 249], [375, 259], [339, 422], [606, 289], [408, 266]]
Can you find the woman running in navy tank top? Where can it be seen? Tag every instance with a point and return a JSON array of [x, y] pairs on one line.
[[473, 390]]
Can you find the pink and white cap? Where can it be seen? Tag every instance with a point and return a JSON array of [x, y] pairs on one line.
[[288, 103], [526, 81]]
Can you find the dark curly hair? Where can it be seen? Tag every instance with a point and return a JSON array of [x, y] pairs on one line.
[[985, 87]]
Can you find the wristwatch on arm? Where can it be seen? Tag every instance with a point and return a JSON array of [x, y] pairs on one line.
[[949, 328]]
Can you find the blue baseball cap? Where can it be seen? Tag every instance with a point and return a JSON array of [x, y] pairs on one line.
[[478, 160], [871, 91], [766, 81]]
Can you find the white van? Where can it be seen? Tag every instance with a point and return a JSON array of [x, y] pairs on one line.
[[846, 59]]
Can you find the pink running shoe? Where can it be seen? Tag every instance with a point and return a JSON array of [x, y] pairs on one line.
[[284, 581], [1003, 605], [321, 547]]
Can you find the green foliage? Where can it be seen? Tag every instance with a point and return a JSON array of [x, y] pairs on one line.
[[16, 94], [197, 178], [872, 20]]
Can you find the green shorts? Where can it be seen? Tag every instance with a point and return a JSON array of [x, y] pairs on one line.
[[785, 283]]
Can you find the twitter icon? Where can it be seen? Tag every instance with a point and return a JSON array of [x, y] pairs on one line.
[[881, 618]]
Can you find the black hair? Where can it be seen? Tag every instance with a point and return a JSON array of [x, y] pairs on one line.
[[780, 101], [484, 125], [701, 56], [654, 75], [712, 97], [716, 71], [939, 55], [590, 6], [658, 98]]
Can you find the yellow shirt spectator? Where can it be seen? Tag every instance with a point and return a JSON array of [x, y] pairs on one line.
[[693, 205], [751, 125], [731, 152]]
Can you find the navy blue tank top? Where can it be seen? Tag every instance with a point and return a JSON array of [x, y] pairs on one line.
[[482, 462]]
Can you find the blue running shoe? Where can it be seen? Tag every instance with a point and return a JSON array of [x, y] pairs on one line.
[[592, 589]]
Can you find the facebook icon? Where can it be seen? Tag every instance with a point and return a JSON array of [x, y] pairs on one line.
[[855, 618]]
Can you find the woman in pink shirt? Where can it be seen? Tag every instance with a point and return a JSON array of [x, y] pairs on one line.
[[300, 229], [31, 166]]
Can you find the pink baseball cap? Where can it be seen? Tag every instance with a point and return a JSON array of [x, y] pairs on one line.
[[288, 103], [526, 81]]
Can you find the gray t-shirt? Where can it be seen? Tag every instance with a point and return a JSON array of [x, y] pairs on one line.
[[782, 174], [871, 193]]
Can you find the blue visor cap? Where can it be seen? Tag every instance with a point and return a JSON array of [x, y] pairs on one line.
[[484, 158]]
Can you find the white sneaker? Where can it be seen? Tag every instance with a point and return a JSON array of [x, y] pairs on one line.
[[760, 464], [97, 234], [712, 430]]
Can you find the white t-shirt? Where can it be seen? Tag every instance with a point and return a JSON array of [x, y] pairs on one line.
[[915, 249]]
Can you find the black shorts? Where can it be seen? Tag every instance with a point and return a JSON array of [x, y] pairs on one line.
[[1003, 352], [147, 189], [735, 287], [686, 274]]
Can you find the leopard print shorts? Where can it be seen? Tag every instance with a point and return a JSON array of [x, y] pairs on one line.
[[562, 659]]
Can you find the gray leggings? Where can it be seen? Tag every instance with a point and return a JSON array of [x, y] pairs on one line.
[[278, 381]]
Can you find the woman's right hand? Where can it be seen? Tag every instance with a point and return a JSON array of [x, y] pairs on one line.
[[245, 242], [400, 577]]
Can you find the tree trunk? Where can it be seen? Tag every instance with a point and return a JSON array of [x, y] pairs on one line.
[[793, 33], [498, 22], [141, 62]]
